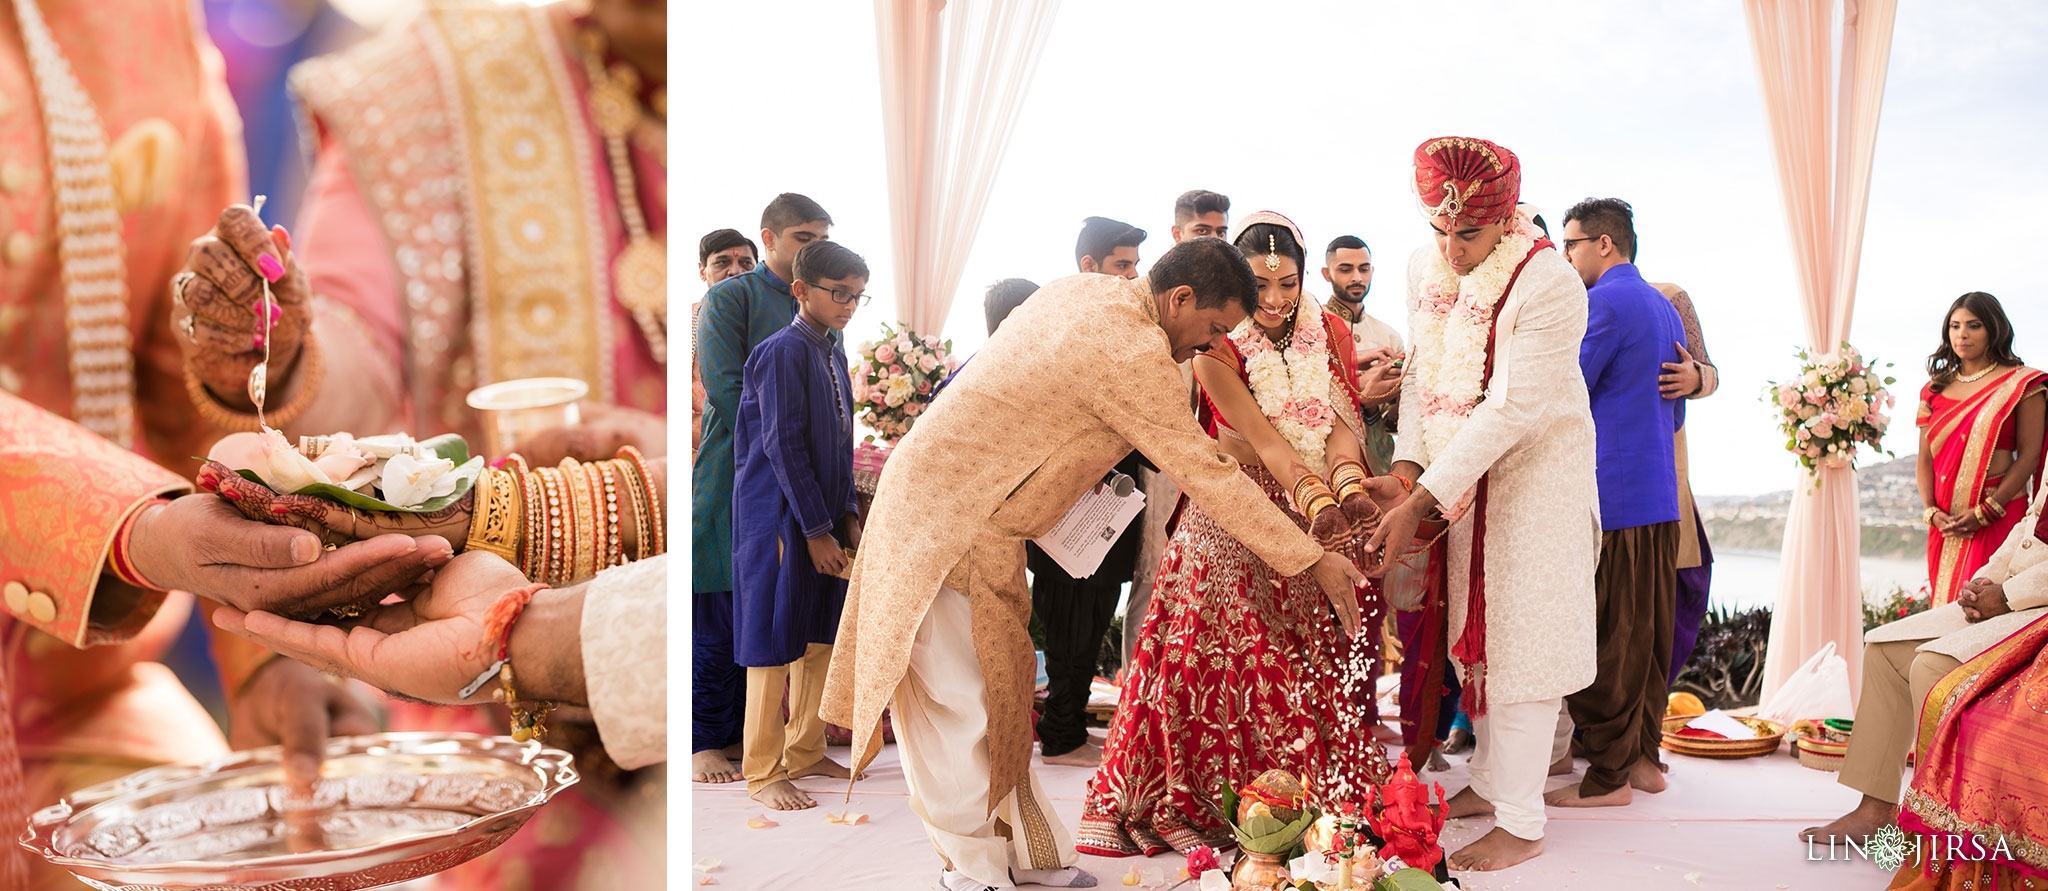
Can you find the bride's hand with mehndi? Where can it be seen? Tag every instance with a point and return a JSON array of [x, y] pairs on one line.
[[217, 299], [334, 523]]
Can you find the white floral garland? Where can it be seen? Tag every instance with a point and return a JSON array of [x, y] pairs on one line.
[[1292, 386], [1450, 323]]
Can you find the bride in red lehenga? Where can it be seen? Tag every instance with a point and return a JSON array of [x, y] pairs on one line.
[[1238, 671]]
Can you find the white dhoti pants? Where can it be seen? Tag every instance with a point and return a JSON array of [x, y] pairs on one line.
[[940, 715], [1511, 760]]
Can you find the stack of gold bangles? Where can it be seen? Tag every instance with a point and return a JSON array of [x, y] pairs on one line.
[[1312, 496], [1349, 478], [1988, 511], [1927, 516], [559, 524]]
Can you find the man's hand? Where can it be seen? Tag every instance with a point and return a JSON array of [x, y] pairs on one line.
[[826, 554], [431, 646], [1983, 599], [1681, 378], [1394, 535], [1386, 490], [290, 705], [199, 543], [853, 531], [216, 302], [604, 429], [1339, 580]]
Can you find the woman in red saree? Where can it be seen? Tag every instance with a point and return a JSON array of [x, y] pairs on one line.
[[1981, 441], [1975, 805], [1238, 670]]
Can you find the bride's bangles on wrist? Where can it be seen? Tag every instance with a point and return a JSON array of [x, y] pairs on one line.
[[1348, 478], [1312, 496], [562, 523]]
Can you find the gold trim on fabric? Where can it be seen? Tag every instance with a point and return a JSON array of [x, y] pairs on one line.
[[1038, 841], [534, 287]]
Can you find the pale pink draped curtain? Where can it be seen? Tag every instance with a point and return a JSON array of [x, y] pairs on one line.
[[954, 77], [1824, 138]]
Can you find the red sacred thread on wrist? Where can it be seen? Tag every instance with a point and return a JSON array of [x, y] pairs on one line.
[[1407, 484], [499, 618], [118, 556]]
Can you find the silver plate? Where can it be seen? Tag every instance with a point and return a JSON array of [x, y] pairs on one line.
[[389, 808]]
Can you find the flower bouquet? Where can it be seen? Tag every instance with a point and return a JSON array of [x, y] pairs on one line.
[[1835, 402], [392, 473], [895, 377]]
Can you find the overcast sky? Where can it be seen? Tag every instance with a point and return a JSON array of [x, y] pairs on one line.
[[1313, 110]]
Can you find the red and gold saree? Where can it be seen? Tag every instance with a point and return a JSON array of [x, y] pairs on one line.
[[1962, 436], [1976, 800]]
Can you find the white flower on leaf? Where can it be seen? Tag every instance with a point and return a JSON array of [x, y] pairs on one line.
[[409, 482], [285, 469]]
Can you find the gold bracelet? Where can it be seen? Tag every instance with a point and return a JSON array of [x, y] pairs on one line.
[[643, 540], [552, 545], [1927, 516], [311, 371], [582, 532], [654, 504], [615, 542], [1996, 510], [1318, 503], [1349, 479], [495, 515]]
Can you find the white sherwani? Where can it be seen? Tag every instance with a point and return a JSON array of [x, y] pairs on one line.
[[1534, 433], [2020, 566]]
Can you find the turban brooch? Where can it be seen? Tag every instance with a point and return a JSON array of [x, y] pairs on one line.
[[1472, 181]]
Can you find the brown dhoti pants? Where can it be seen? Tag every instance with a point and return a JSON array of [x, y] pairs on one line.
[[1620, 717]]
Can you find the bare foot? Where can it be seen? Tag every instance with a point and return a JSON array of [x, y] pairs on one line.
[[710, 766], [1561, 766], [1498, 849], [823, 767], [1570, 796], [783, 795], [1869, 816], [733, 752], [1088, 755], [1436, 761], [1647, 777], [1383, 733], [1467, 803], [1459, 742]]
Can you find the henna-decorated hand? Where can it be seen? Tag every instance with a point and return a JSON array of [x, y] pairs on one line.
[[216, 299], [335, 523], [1330, 528], [1363, 514]]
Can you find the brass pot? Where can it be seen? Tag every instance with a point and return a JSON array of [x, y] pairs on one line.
[[1259, 872]]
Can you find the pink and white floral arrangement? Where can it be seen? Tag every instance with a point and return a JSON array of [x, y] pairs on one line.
[[894, 378], [1836, 402]]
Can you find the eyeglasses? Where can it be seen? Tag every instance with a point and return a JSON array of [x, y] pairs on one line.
[[1572, 241], [841, 297]]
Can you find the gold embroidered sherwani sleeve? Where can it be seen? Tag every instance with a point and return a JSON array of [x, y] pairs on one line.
[[1144, 402], [1544, 354], [63, 493]]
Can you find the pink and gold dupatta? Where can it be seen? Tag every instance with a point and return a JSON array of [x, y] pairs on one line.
[[1977, 797], [1962, 436]]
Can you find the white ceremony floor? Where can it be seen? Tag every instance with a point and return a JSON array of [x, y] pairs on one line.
[[1721, 825]]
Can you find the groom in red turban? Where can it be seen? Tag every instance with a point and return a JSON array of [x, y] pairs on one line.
[[1497, 434]]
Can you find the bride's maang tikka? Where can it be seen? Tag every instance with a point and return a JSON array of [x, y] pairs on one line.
[[1272, 253]]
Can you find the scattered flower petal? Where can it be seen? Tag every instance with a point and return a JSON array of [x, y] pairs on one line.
[[1693, 877], [1215, 880], [707, 864], [760, 822]]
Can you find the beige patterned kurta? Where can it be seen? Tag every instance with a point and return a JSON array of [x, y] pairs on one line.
[[1076, 378], [1534, 433]]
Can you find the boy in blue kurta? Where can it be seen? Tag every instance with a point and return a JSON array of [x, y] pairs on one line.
[[793, 510], [736, 316]]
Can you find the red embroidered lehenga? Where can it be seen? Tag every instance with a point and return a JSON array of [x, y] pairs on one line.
[[1236, 671]]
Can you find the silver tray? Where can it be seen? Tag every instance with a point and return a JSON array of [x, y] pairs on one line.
[[389, 808]]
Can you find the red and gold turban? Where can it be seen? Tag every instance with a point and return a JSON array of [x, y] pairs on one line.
[[1474, 182]]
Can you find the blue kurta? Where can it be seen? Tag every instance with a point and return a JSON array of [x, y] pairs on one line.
[[793, 481], [738, 314], [1631, 331]]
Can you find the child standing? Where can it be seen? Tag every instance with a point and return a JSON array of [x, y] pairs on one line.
[[793, 512]]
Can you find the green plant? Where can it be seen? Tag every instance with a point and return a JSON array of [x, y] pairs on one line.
[[1898, 605], [1727, 665]]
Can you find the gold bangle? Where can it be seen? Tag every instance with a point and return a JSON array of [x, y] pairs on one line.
[[615, 542], [643, 538], [1317, 504], [311, 371], [552, 545], [494, 516], [655, 510], [582, 532]]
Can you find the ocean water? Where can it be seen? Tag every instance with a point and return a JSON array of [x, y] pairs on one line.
[[1749, 579]]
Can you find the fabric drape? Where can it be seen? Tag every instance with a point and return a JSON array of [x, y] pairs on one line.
[[1824, 139], [952, 87]]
